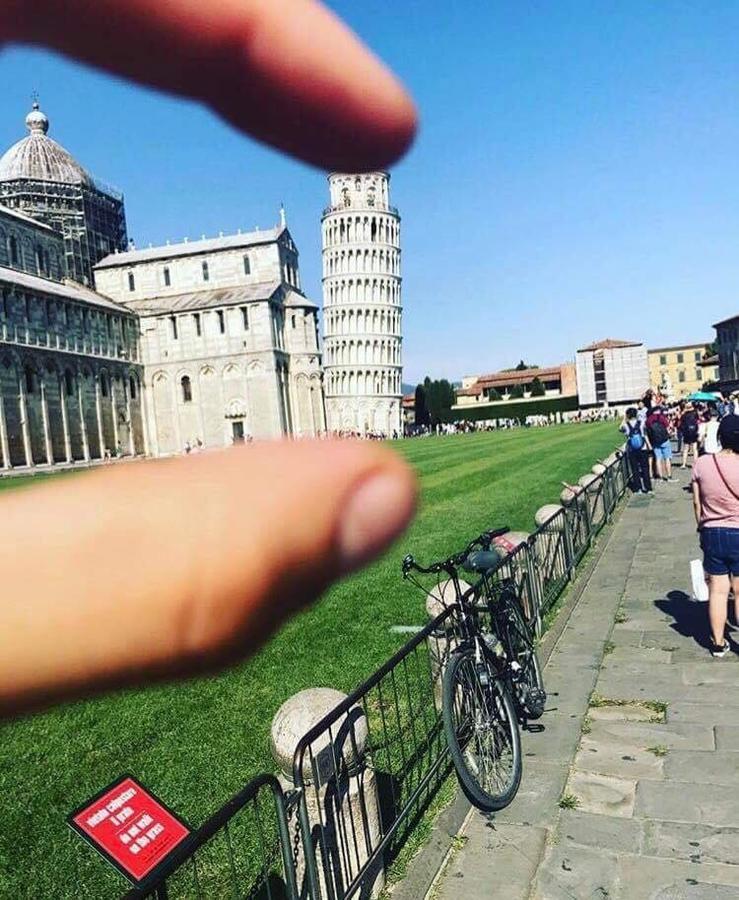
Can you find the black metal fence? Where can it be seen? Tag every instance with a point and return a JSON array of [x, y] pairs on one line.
[[364, 775]]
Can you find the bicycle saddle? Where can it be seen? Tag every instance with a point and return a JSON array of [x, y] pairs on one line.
[[481, 561]]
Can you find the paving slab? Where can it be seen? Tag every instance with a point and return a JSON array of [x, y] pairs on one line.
[[605, 759], [680, 801], [602, 794], [699, 843], [703, 766], [517, 850]]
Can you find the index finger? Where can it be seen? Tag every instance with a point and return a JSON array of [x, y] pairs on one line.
[[289, 73]]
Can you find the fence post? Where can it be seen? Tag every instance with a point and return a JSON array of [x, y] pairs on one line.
[[339, 806], [551, 520]]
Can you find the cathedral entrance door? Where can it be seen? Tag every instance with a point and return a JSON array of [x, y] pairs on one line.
[[237, 431]]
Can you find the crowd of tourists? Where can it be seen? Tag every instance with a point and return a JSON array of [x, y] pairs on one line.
[[707, 437]]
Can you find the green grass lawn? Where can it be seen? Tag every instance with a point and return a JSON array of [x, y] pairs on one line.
[[197, 743]]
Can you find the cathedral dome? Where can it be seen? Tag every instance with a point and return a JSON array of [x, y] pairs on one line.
[[38, 158]]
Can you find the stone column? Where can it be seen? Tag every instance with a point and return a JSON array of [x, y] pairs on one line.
[[127, 395], [99, 417], [83, 426], [147, 421], [23, 401], [339, 804], [115, 414], [4, 446], [65, 420], [45, 417]]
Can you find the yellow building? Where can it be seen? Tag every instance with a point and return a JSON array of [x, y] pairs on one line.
[[677, 371]]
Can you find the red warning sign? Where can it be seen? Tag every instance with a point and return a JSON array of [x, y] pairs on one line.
[[130, 827]]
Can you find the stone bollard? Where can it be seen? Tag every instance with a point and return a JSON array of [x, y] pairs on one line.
[[570, 493], [442, 642], [340, 795]]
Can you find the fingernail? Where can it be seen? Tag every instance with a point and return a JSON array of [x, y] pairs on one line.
[[376, 513]]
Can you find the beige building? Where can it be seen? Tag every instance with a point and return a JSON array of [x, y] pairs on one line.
[[517, 384], [229, 342], [678, 371]]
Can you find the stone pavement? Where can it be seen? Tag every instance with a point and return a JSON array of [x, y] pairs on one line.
[[631, 788]]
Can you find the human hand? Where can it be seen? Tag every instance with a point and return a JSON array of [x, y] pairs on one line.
[[175, 567]]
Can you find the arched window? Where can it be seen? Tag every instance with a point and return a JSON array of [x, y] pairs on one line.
[[30, 381], [132, 386], [221, 321], [13, 250], [247, 265], [104, 385], [68, 383], [167, 277], [186, 389], [173, 324], [206, 272], [131, 282]]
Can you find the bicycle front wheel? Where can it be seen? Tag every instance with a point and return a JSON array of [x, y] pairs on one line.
[[481, 729]]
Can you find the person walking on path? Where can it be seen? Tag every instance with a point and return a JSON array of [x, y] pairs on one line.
[[659, 437], [716, 507], [689, 431], [638, 450], [708, 433]]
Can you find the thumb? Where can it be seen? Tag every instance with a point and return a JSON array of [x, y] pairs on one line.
[[172, 567]]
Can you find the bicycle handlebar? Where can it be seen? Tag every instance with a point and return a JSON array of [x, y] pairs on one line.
[[483, 541]]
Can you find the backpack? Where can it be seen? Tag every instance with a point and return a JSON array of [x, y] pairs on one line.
[[635, 438], [657, 433]]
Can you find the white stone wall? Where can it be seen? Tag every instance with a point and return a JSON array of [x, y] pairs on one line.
[[30, 247], [362, 305], [131, 279], [220, 365]]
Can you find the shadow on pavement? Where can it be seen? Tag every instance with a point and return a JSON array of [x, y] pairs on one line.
[[691, 616]]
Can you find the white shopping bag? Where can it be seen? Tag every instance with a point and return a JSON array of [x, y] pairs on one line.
[[698, 577]]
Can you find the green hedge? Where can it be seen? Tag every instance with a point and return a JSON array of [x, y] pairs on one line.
[[516, 410]]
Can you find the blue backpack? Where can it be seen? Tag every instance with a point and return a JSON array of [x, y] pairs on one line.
[[635, 439]]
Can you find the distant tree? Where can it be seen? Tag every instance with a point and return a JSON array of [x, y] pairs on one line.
[[516, 392], [422, 413], [521, 366], [537, 388], [494, 395], [440, 398], [711, 350]]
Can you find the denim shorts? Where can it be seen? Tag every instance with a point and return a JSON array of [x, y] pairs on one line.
[[720, 550], [664, 451]]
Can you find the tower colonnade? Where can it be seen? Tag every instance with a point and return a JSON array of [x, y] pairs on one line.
[[362, 305]]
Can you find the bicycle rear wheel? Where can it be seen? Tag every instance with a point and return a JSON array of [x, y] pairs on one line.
[[481, 729], [528, 686]]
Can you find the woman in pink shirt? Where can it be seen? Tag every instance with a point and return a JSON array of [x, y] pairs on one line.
[[716, 505]]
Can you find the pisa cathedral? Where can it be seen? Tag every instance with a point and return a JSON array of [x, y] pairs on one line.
[[110, 350]]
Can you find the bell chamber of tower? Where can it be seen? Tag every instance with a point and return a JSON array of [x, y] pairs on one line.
[[362, 309]]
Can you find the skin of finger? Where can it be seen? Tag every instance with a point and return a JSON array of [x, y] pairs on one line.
[[291, 74], [172, 567]]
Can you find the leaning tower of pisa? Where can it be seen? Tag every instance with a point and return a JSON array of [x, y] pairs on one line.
[[361, 305]]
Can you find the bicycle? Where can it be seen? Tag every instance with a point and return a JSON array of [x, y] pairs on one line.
[[481, 697]]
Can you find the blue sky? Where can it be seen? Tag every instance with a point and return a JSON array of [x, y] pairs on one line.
[[575, 175]]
